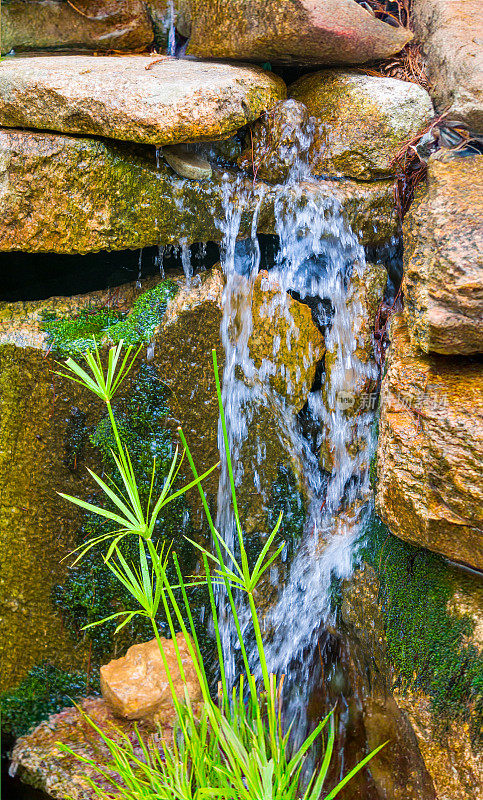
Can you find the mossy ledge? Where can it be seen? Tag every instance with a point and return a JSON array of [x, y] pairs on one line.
[[429, 646], [74, 335]]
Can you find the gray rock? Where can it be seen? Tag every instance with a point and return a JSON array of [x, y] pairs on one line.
[[187, 164], [451, 36]]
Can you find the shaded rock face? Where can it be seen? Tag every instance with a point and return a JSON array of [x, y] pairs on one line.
[[39, 762], [455, 767], [92, 25], [285, 344], [430, 450], [107, 195], [443, 283], [452, 45], [299, 32], [399, 772], [135, 98], [136, 686], [39, 414]]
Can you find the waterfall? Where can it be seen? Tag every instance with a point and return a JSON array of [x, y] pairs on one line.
[[317, 255]]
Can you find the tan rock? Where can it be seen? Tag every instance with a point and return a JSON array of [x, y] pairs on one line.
[[455, 766], [84, 25], [400, 772], [300, 32], [361, 121], [109, 195], [38, 761], [431, 449], [443, 283], [135, 98], [136, 686], [451, 37], [338, 123], [285, 343]]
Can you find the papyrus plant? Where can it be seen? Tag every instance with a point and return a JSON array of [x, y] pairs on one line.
[[236, 745]]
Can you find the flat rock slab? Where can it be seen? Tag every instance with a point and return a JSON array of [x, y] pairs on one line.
[[430, 450], [294, 32], [451, 37], [153, 100], [105, 195], [443, 238]]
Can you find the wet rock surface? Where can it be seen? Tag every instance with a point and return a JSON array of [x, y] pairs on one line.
[[443, 283], [400, 772], [285, 343], [153, 100], [300, 32], [452, 43], [86, 25], [108, 195], [38, 760], [446, 766], [136, 686], [431, 449]]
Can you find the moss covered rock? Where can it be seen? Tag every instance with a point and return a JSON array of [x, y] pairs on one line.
[[430, 450], [285, 343], [346, 123], [443, 281], [134, 98], [111, 196], [84, 25]]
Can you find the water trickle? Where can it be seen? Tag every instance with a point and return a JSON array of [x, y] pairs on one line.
[[171, 30], [317, 255], [186, 262]]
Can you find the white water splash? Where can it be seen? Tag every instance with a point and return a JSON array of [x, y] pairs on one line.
[[317, 255]]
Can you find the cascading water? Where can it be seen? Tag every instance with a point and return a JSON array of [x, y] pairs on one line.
[[317, 255]]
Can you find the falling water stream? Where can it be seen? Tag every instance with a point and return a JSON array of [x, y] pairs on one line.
[[317, 255]]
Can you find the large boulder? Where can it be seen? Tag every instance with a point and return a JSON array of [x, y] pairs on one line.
[[451, 42], [110, 196], [84, 25], [361, 121], [136, 686], [154, 100], [300, 32], [443, 283], [430, 450], [340, 124]]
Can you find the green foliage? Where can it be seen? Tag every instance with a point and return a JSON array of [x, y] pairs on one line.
[[234, 747], [426, 642], [74, 335], [90, 591], [77, 334], [46, 690]]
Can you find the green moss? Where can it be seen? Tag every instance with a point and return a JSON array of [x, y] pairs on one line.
[[76, 335], [91, 592], [45, 690], [287, 498], [426, 642]]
